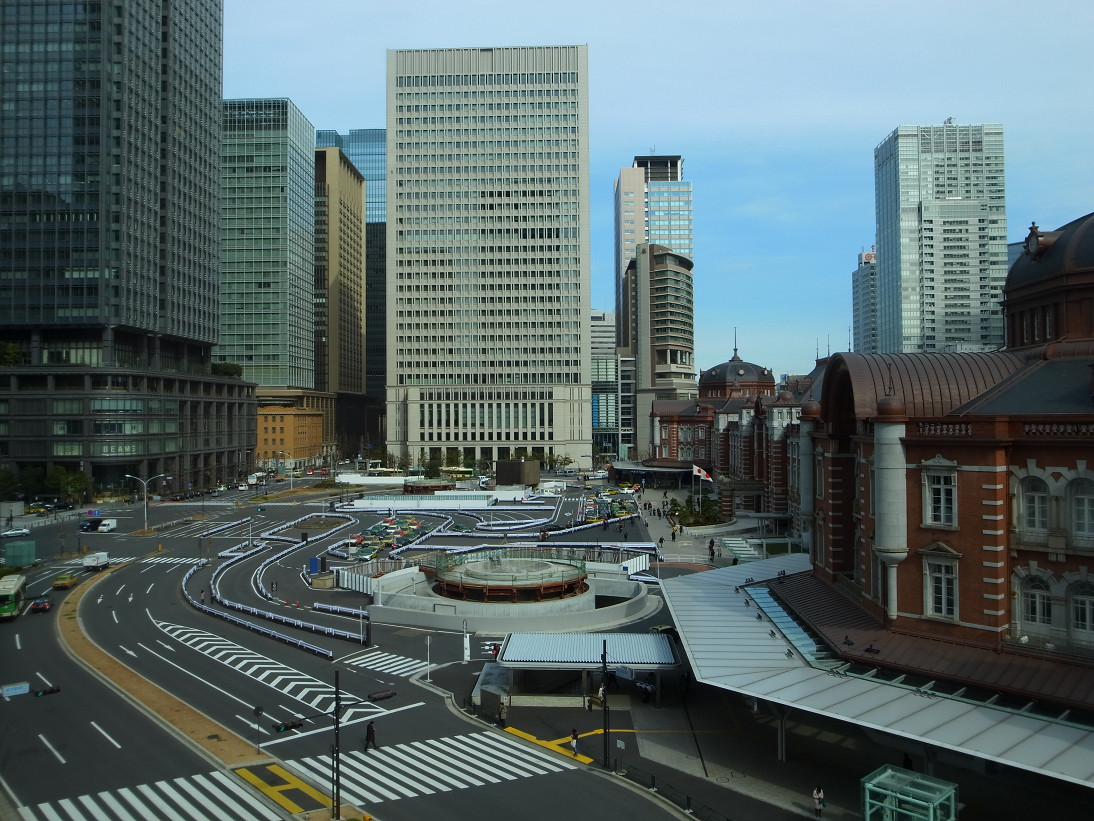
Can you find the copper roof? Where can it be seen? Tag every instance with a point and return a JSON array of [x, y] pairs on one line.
[[927, 384]]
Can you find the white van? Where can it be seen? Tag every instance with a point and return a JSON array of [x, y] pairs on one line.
[[107, 526]]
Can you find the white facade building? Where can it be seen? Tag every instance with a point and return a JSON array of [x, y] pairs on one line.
[[940, 200], [488, 285]]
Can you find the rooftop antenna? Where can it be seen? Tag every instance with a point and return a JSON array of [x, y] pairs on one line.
[[828, 339], [735, 342], [890, 390]]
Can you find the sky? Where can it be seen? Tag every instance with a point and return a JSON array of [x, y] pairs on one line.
[[776, 108]]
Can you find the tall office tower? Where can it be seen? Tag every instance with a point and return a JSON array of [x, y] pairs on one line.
[[488, 254], [657, 336], [864, 303], [941, 238], [367, 149], [652, 204], [267, 285], [339, 292], [605, 384], [110, 249]]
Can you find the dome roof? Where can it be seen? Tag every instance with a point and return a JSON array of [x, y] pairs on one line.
[[1067, 250], [736, 370]]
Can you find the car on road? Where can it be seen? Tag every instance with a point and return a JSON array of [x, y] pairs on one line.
[[41, 604], [15, 531], [36, 508], [65, 581]]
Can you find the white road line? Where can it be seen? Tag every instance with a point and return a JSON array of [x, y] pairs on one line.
[[95, 810], [49, 746], [72, 810], [107, 737], [116, 806], [135, 802]]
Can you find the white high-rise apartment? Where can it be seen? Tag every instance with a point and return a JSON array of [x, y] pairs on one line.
[[488, 282], [940, 199]]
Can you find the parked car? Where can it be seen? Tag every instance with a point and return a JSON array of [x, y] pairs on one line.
[[41, 604], [65, 581], [15, 531], [36, 508], [90, 525]]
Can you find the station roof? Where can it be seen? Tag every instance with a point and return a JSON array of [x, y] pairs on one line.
[[738, 637], [583, 651]]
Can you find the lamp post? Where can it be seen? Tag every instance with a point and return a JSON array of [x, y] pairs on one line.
[[144, 485]]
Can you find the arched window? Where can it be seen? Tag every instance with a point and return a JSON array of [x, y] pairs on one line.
[[1033, 515], [1082, 609], [1081, 492], [1036, 601]]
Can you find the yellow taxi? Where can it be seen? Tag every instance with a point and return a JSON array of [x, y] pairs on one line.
[[66, 580]]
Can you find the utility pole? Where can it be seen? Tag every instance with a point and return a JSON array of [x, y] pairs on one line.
[[604, 701]]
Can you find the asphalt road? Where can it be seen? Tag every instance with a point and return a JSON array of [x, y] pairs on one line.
[[430, 761]]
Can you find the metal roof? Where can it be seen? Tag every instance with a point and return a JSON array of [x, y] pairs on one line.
[[730, 648], [643, 651]]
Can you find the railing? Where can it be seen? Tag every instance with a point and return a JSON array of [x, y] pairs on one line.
[[668, 791]]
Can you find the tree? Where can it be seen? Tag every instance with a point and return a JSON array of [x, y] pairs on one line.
[[8, 482], [10, 354], [404, 461], [483, 466], [563, 461], [452, 457], [32, 478], [433, 469], [230, 369]]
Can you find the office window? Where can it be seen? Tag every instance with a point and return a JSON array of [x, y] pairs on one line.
[[1036, 602]]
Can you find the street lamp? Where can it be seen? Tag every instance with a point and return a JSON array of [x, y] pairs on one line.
[[291, 469], [144, 484]]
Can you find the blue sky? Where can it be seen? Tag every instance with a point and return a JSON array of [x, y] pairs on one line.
[[776, 108]]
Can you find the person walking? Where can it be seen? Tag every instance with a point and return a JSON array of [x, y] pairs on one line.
[[503, 714], [370, 736], [573, 741], [203, 595], [674, 534], [818, 801]]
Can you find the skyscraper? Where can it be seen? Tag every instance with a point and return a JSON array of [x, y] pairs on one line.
[[940, 200], [652, 204], [605, 383], [488, 254], [864, 303], [110, 247], [656, 337], [367, 150]]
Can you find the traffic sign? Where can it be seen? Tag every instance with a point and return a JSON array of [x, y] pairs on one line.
[[19, 688], [624, 673]]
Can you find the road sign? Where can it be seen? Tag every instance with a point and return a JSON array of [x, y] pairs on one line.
[[624, 673], [19, 688]]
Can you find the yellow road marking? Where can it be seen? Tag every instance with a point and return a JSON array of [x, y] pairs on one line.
[[290, 783], [561, 745]]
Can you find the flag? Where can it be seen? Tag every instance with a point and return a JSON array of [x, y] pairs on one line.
[[702, 474]]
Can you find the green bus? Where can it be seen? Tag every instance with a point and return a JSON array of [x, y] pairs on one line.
[[13, 590]]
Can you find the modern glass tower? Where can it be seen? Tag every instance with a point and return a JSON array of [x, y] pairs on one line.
[[367, 150], [940, 199], [267, 312], [110, 246], [488, 254], [864, 303]]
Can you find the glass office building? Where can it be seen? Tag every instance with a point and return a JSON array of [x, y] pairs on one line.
[[109, 246], [367, 150], [940, 199], [267, 312], [488, 254]]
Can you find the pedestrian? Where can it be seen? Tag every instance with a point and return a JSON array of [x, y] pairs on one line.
[[573, 741], [203, 595], [661, 542], [503, 714], [674, 534], [818, 801], [370, 736]]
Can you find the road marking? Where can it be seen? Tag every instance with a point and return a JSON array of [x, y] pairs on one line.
[[561, 745], [49, 746], [289, 784], [107, 737]]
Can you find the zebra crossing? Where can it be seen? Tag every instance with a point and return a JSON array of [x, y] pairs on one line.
[[390, 773], [432, 766], [201, 796], [388, 663], [286, 680]]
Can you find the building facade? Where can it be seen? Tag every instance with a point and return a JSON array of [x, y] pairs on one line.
[[267, 313], [940, 200], [864, 303], [109, 248], [652, 205], [656, 335], [367, 150], [604, 373], [339, 293], [488, 253]]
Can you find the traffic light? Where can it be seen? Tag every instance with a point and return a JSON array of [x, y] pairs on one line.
[[259, 510], [288, 725], [47, 691]]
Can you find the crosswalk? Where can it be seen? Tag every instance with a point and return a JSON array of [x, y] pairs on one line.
[[202, 796], [390, 773], [388, 663]]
